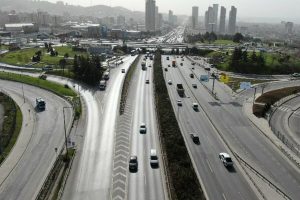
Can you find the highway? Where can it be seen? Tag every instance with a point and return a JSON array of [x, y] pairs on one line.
[[245, 139], [148, 182], [90, 177], [25, 170], [213, 174]]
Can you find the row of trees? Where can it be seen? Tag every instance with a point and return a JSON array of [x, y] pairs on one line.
[[211, 37], [87, 70], [243, 62]]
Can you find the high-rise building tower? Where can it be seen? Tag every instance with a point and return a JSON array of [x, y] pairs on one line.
[[156, 19], [211, 22], [289, 27], [195, 14], [171, 17], [232, 21], [150, 15], [222, 20], [215, 16], [206, 20]]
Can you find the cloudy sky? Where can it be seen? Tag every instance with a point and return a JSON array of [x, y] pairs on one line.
[[279, 9]]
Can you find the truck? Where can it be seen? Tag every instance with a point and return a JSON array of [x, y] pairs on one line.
[[173, 63], [40, 103], [102, 85], [180, 89], [143, 65]]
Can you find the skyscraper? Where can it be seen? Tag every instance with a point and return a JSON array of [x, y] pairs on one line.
[[215, 16], [150, 15], [232, 21], [156, 19], [211, 22], [222, 20], [206, 20], [195, 13], [171, 17]]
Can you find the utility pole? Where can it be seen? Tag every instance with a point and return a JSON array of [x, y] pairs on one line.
[[254, 95]]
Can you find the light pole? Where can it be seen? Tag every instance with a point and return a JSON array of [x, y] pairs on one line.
[[66, 142], [254, 95]]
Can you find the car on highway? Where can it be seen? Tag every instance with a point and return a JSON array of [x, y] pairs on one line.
[[181, 64], [296, 75], [179, 102], [192, 75], [226, 159], [195, 106], [193, 63], [182, 59], [143, 128], [169, 65], [153, 158], [193, 68], [195, 138], [194, 85], [166, 69], [133, 163], [147, 81], [169, 82], [168, 58], [149, 66], [123, 70]]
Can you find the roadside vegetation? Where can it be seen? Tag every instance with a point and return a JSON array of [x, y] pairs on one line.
[[48, 85], [11, 127], [181, 175], [269, 98], [126, 84]]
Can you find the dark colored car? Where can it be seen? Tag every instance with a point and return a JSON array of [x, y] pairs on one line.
[[133, 163]]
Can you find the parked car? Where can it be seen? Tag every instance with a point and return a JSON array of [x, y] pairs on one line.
[[147, 81], [194, 85], [192, 75], [133, 163], [123, 70], [226, 159], [169, 82]]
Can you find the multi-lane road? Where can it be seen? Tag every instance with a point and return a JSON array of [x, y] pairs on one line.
[[228, 119]]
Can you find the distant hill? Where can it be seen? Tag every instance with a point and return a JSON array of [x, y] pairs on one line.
[[55, 9]]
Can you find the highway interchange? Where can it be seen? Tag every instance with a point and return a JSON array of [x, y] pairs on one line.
[[221, 125]]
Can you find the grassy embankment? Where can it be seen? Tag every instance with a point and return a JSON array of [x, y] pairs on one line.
[[11, 127], [181, 175], [269, 98]]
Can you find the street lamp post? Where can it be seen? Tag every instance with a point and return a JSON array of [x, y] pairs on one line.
[[66, 142], [254, 95]]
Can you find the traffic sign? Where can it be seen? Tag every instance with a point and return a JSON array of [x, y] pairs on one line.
[[245, 85], [204, 78]]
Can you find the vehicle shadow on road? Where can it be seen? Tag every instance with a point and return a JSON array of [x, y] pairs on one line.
[[231, 169]]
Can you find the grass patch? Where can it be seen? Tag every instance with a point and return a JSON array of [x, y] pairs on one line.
[[180, 172], [224, 42], [269, 98], [48, 85], [11, 125], [66, 73], [126, 84], [234, 83], [23, 57]]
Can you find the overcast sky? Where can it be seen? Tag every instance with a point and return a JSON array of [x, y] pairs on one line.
[[280, 9]]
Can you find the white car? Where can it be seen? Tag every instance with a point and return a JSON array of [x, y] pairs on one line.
[[226, 159], [143, 128], [195, 106], [153, 158], [169, 82], [179, 102]]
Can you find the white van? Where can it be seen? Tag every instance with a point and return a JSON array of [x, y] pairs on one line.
[[195, 106], [153, 158]]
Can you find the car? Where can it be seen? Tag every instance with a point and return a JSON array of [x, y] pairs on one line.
[[133, 163], [194, 85], [179, 102], [147, 81], [43, 76], [296, 75], [168, 58], [149, 66], [153, 158], [166, 69], [226, 159], [195, 106], [195, 138], [169, 65], [143, 128], [193, 68], [169, 82], [182, 59], [181, 64], [123, 70], [193, 63], [192, 75], [47, 68]]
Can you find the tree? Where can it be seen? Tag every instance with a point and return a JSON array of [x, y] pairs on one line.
[[238, 37], [62, 64]]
